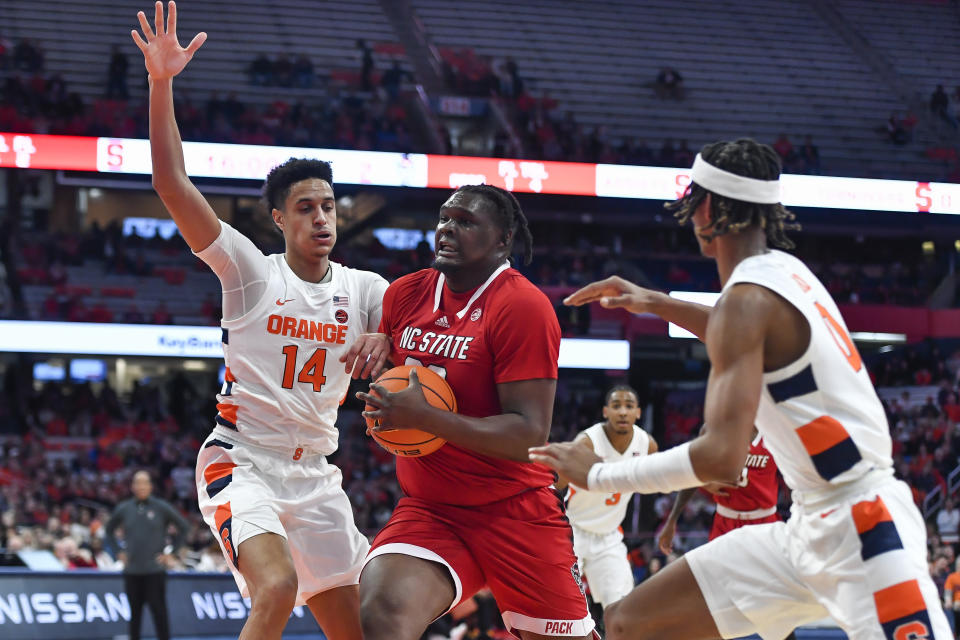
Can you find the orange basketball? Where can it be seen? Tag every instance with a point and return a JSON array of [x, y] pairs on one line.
[[413, 442]]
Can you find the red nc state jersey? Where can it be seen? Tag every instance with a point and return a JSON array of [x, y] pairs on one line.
[[504, 331], [758, 486]]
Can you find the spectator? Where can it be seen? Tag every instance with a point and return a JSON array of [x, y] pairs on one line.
[[145, 521], [785, 150], [669, 84], [948, 521], [392, 79], [940, 106], [283, 71], [303, 71], [810, 156], [366, 65], [27, 57], [951, 596], [261, 71], [117, 75], [896, 132]]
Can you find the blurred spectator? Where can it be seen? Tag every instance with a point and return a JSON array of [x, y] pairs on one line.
[[948, 521], [810, 156], [786, 151], [895, 130], [117, 74], [27, 57], [366, 65], [6, 48], [261, 71], [940, 106], [303, 71], [161, 315], [392, 79], [669, 84]]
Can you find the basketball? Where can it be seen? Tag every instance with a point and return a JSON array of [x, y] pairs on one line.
[[413, 443]]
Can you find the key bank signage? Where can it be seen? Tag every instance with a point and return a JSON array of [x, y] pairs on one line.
[[90, 605]]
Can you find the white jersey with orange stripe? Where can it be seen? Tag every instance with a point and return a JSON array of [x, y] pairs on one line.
[[819, 416], [284, 380], [598, 512]]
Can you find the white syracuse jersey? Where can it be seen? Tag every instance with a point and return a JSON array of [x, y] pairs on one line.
[[598, 512], [284, 381], [819, 416]]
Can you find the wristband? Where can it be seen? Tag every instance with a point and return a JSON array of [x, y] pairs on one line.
[[662, 472]]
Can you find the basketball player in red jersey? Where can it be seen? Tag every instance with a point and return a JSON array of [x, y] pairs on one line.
[[476, 511], [752, 501]]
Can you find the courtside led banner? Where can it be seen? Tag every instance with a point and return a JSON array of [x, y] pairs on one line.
[[252, 162], [175, 341]]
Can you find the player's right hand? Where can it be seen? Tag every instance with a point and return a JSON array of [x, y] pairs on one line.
[[665, 540], [162, 54], [615, 293]]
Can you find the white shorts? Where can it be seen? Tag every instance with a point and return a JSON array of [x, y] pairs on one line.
[[245, 491], [859, 558], [603, 560]]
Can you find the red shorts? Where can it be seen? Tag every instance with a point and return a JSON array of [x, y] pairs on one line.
[[723, 524], [521, 547]]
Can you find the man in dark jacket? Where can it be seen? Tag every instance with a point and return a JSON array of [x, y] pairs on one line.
[[145, 520]]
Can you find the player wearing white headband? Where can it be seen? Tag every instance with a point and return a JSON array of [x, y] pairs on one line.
[[854, 547]]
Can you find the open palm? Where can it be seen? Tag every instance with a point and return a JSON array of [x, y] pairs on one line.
[[162, 54]]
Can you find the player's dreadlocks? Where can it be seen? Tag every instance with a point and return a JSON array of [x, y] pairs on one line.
[[620, 387], [276, 187], [744, 157], [511, 216]]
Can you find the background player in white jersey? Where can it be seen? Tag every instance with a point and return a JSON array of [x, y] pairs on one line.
[[596, 517], [780, 355], [264, 485]]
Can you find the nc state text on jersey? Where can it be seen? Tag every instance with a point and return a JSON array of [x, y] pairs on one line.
[[308, 329], [438, 344]]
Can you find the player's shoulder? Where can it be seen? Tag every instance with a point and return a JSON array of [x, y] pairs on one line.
[[359, 276], [515, 291]]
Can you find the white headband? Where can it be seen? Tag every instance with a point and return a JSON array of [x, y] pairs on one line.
[[731, 185]]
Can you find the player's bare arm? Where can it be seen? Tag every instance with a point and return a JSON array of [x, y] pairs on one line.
[[164, 58], [527, 410], [367, 357], [669, 531], [616, 293], [736, 336]]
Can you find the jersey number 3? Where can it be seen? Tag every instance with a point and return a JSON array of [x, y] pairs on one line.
[[312, 371]]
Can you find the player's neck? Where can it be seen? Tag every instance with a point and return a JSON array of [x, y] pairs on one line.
[[735, 248], [461, 281], [308, 271], [618, 441]]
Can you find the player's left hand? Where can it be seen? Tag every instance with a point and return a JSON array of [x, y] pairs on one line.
[[396, 409], [367, 356], [570, 460]]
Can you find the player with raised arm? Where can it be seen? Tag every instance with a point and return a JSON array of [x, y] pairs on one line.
[[854, 548], [476, 511], [264, 485], [596, 517]]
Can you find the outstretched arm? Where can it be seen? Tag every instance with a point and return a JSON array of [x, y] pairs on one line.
[[164, 58], [735, 339], [617, 293]]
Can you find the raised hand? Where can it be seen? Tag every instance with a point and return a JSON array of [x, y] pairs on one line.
[[615, 293], [162, 54]]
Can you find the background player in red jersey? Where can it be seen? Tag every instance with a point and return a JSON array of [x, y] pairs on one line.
[[753, 500], [476, 511]]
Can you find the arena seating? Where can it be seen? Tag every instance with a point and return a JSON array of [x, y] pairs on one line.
[[77, 38], [757, 68]]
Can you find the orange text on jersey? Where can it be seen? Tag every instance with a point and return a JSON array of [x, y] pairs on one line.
[[307, 329]]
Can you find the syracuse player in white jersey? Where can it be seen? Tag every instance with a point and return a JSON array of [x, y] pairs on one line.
[[595, 517], [264, 485], [854, 547]]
